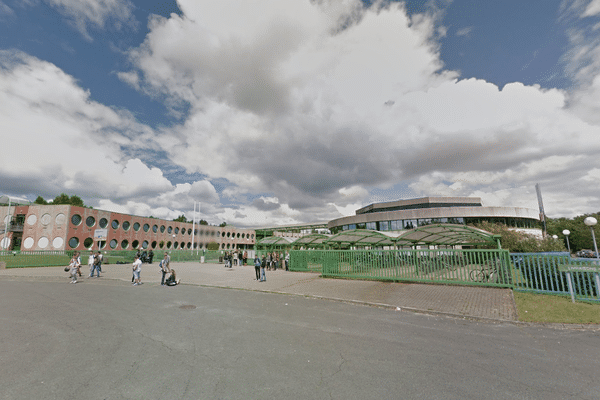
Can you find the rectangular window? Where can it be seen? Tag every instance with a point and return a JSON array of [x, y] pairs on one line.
[[410, 223], [384, 225], [351, 227], [372, 225]]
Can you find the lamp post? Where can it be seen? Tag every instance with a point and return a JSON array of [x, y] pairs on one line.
[[591, 221], [567, 232]]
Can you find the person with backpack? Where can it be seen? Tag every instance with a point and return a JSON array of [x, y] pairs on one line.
[[257, 267], [96, 265]]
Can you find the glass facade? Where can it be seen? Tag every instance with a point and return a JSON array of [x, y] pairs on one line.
[[402, 224]]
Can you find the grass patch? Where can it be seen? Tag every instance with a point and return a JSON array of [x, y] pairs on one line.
[[555, 309]]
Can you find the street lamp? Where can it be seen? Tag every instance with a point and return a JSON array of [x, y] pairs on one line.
[[567, 232], [591, 221]]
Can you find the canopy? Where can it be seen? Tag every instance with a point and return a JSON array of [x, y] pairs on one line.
[[436, 234], [363, 237], [14, 201], [312, 240], [447, 234]]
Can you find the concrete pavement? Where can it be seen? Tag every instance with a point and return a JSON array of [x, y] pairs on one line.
[[462, 301]]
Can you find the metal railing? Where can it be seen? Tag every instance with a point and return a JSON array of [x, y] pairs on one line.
[[468, 267], [535, 272]]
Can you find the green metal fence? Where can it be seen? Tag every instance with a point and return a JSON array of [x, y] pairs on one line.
[[536, 272], [471, 267]]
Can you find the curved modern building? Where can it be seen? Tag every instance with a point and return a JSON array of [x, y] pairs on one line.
[[408, 214]]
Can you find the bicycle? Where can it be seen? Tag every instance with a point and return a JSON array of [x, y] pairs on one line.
[[487, 273]]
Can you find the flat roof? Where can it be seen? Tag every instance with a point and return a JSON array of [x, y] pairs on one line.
[[410, 203]]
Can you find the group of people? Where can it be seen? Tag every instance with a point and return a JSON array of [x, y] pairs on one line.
[[145, 257], [269, 261], [94, 262], [165, 269], [235, 257]]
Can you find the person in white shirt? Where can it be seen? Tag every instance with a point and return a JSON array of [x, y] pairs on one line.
[[137, 268]]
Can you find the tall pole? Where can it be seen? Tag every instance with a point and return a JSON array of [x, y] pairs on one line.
[[541, 204], [193, 229]]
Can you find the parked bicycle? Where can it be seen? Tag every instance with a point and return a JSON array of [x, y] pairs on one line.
[[488, 273]]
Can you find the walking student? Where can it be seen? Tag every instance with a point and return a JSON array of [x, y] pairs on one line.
[[137, 269], [96, 266], [263, 266], [257, 267], [73, 268]]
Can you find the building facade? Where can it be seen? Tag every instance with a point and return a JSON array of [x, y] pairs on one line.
[[64, 227], [408, 214]]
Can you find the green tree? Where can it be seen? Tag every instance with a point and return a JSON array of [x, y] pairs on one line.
[[203, 222], [181, 218], [62, 198], [223, 224], [40, 200], [76, 201], [521, 242], [580, 236]]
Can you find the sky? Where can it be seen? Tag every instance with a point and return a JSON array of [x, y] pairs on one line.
[[297, 111]]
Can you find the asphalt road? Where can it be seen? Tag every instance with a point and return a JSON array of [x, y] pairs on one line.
[[110, 340]]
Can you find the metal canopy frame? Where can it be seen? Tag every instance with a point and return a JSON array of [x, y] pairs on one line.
[[435, 234], [363, 237], [312, 240]]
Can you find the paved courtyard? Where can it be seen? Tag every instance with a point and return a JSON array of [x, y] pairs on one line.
[[467, 301]]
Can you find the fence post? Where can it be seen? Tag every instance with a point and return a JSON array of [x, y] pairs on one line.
[[570, 286], [597, 279]]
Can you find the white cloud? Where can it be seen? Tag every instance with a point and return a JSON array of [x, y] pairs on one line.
[[83, 13], [302, 103]]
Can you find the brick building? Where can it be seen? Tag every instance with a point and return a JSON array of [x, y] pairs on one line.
[[65, 227]]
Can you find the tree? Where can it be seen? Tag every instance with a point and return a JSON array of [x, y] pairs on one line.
[[223, 224], [76, 201], [521, 242], [62, 198], [40, 200], [181, 218], [580, 236], [203, 222]]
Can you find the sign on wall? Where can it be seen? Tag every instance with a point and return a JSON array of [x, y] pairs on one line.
[[100, 234]]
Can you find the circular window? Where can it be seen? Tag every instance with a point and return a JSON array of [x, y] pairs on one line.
[[183, 231], [88, 243], [90, 221], [252, 236], [102, 244], [75, 220], [170, 229], [73, 242], [145, 244], [238, 235], [5, 243], [135, 244], [161, 244], [126, 225], [28, 243], [189, 245], [31, 220], [222, 245], [243, 235], [176, 231], [228, 234], [154, 228], [43, 242], [189, 231], [58, 242], [136, 226], [113, 244], [168, 245], [175, 245], [154, 244], [223, 234], [162, 229], [46, 218], [146, 228], [115, 224], [124, 244], [103, 223], [61, 219]]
